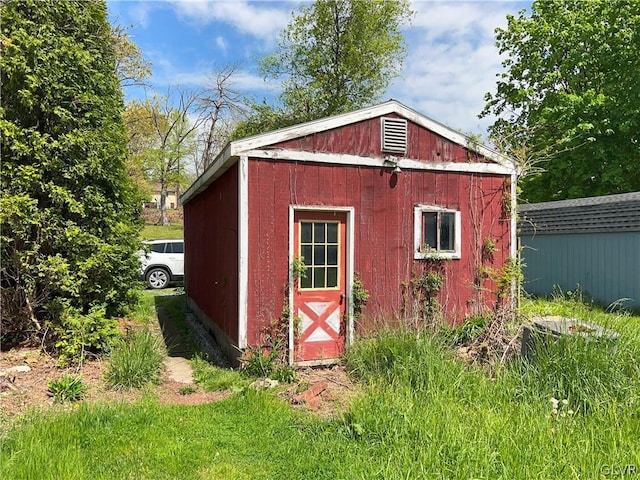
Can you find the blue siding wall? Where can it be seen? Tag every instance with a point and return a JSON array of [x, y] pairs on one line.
[[604, 265]]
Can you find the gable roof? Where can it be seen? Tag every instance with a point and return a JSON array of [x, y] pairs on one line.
[[229, 155], [608, 213]]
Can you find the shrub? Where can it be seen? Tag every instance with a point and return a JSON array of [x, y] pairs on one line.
[[467, 331], [136, 360], [77, 335], [67, 388]]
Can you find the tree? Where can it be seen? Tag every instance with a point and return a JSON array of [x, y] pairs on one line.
[[132, 67], [334, 56], [218, 105], [162, 134], [570, 93], [69, 214]]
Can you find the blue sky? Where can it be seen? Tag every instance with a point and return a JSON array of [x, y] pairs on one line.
[[451, 63]]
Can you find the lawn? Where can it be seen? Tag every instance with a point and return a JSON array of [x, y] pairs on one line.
[[155, 232], [423, 414]]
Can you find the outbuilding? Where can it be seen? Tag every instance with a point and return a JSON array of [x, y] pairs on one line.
[[292, 226], [591, 244]]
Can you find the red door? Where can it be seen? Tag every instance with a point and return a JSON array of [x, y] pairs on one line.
[[319, 296]]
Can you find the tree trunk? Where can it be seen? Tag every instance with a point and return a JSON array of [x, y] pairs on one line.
[[164, 218]]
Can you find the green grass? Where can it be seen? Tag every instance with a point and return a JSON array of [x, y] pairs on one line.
[[212, 378], [153, 232], [136, 360], [145, 309], [423, 414]]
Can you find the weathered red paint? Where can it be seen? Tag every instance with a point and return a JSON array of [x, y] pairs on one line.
[[363, 138], [211, 251], [383, 205]]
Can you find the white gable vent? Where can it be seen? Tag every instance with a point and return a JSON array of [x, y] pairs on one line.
[[394, 135]]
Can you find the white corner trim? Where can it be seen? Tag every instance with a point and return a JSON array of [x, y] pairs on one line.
[[378, 162], [292, 314], [243, 250]]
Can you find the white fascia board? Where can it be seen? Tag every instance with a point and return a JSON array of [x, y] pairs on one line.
[[392, 106], [220, 165], [380, 162]]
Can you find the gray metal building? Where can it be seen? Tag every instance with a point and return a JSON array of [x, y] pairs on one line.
[[591, 243]]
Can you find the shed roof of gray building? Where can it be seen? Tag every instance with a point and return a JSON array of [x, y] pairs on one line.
[[610, 213]]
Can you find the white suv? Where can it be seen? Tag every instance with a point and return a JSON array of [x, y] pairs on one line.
[[162, 263]]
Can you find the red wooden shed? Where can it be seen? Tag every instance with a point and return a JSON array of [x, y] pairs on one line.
[[382, 194]]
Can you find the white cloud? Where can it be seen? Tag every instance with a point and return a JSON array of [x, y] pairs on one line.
[[452, 61], [263, 20], [221, 43]]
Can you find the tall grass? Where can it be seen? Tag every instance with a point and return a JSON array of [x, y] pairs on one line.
[[571, 414], [136, 361], [424, 415]]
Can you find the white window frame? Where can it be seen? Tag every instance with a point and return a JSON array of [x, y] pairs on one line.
[[418, 253]]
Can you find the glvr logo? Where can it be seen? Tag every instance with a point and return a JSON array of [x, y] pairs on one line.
[[618, 470]]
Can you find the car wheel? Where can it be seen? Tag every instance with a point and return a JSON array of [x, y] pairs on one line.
[[157, 278]]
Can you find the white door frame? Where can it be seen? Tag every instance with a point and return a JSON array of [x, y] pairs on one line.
[[348, 273]]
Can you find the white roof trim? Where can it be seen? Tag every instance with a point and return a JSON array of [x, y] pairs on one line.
[[379, 162], [391, 106], [220, 165], [252, 144]]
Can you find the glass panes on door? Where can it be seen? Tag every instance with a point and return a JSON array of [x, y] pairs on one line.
[[319, 252]]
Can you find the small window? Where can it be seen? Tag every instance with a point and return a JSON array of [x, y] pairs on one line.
[[158, 247], [176, 247], [436, 232]]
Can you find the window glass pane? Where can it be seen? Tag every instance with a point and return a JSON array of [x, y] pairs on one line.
[[305, 282], [318, 255], [158, 247], [430, 220], [305, 250], [178, 247], [318, 277], [332, 255], [332, 233], [447, 226], [305, 232], [318, 232], [332, 277]]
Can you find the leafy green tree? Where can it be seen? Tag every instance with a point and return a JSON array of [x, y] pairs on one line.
[[132, 67], [570, 96], [334, 56], [161, 136], [69, 213]]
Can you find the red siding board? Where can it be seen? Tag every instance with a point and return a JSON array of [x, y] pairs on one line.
[[363, 138], [211, 253], [383, 228]]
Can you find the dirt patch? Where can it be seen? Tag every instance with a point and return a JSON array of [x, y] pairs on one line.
[[25, 374], [26, 387], [326, 391]]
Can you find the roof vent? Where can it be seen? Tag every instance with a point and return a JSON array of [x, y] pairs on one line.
[[394, 135]]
